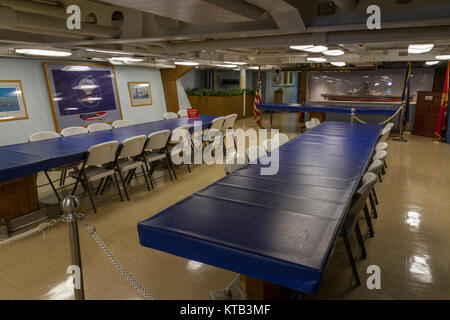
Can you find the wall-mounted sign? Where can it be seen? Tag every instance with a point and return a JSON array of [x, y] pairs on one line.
[[81, 94]]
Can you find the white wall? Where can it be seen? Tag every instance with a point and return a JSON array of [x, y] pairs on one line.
[[31, 73], [183, 101]]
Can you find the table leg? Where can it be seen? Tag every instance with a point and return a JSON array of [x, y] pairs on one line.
[[256, 289], [271, 116]]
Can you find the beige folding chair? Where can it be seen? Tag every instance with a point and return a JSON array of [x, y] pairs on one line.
[[182, 113], [156, 149], [315, 122], [94, 127], [99, 164], [122, 123], [170, 115], [73, 131], [253, 153], [180, 139], [129, 158], [229, 121], [309, 125]]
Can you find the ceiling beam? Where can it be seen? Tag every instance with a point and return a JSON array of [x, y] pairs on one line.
[[240, 7]]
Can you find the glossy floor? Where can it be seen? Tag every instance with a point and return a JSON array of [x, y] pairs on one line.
[[410, 244]]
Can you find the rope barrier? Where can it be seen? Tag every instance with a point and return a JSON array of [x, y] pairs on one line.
[[383, 122], [40, 228]]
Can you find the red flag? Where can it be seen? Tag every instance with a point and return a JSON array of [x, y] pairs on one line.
[[256, 112], [442, 119]]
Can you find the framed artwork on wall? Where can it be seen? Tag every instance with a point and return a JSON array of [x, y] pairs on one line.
[[12, 101], [288, 78], [81, 94], [140, 93]]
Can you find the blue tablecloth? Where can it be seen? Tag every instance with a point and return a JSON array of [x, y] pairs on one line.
[[280, 228], [22, 159], [361, 109]]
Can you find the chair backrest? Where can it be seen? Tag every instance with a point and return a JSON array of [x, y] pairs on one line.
[[43, 135], [179, 132], [315, 121], [254, 152], [381, 146], [170, 115], [380, 155], [157, 140], [376, 167], [73, 131], [229, 121], [122, 123], [98, 127], [309, 125], [237, 162], [102, 153], [217, 123], [182, 113], [270, 144], [132, 147]]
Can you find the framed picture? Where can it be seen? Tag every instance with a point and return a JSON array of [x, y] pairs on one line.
[[12, 101], [288, 79], [140, 93], [81, 94]]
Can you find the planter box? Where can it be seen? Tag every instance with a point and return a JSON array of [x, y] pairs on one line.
[[223, 106]]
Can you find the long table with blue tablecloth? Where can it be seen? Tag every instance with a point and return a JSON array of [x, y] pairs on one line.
[[20, 162], [279, 228]]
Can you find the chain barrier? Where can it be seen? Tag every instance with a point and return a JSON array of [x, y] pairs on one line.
[[93, 232], [382, 122], [40, 228]]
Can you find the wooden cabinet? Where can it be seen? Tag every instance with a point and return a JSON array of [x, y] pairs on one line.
[[427, 112]]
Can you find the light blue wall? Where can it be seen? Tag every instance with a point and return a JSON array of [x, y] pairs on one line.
[[31, 73]]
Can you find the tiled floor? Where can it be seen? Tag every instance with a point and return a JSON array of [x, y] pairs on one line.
[[410, 244]]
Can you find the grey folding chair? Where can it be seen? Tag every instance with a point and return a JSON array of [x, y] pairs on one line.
[[156, 150], [351, 220]]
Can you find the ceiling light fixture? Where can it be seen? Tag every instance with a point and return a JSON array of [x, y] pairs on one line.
[[431, 63], [420, 48], [333, 52], [44, 52], [226, 65], [126, 59], [186, 63], [107, 51], [313, 59], [237, 63], [316, 49], [443, 57], [302, 47], [338, 64]]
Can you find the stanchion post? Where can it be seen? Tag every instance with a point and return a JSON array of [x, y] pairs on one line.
[[70, 205], [352, 115], [400, 124]]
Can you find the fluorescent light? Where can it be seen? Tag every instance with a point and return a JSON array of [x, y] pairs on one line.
[[237, 63], [443, 57], [316, 59], [338, 64], [226, 65], [316, 49], [126, 59], [333, 52], [253, 68], [43, 52], [431, 63], [76, 68], [303, 47], [186, 63], [107, 51], [420, 48]]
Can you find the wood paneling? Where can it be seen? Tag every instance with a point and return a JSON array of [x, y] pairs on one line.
[[319, 115], [18, 196], [256, 289], [427, 111], [223, 106], [169, 79]]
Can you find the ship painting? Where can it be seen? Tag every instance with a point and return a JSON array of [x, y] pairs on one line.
[[9, 100]]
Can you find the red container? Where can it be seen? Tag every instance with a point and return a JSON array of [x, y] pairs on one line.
[[192, 113]]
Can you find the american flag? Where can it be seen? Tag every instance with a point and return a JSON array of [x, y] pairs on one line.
[[256, 112], [442, 119]]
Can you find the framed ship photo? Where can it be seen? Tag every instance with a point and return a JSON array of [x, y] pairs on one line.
[[140, 93], [12, 101]]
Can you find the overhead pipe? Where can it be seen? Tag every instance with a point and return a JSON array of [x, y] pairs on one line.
[[33, 7], [9, 18], [346, 6]]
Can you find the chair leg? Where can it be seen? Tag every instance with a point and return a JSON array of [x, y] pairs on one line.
[[61, 178], [350, 256], [77, 181], [385, 164], [148, 173], [169, 167], [145, 177], [374, 208], [375, 195], [99, 186], [360, 240], [53, 187], [64, 177], [369, 221], [383, 171], [118, 187], [379, 177], [105, 185], [189, 168], [123, 183], [89, 192]]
